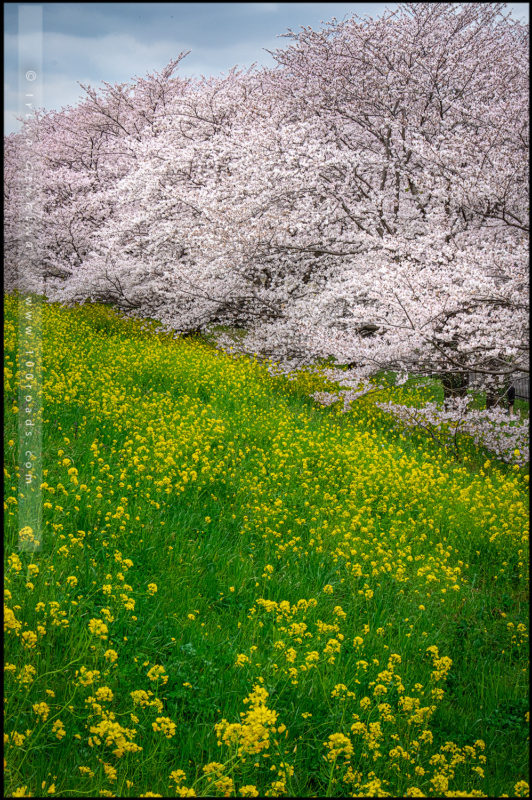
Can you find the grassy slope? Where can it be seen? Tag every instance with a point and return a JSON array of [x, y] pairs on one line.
[[238, 497]]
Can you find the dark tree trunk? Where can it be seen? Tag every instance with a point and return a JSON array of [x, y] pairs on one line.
[[454, 385], [191, 333], [491, 398]]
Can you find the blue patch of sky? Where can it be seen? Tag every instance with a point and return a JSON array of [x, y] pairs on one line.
[[114, 42]]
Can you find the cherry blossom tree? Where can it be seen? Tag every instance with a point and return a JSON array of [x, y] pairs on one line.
[[161, 242], [82, 152], [409, 197]]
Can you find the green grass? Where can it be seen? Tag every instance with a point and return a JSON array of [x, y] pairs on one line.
[[168, 463]]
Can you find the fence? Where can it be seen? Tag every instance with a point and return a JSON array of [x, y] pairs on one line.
[[521, 383], [522, 387]]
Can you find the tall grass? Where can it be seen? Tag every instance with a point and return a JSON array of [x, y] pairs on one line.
[[239, 593]]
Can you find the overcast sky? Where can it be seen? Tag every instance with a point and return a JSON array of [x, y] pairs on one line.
[[114, 42]]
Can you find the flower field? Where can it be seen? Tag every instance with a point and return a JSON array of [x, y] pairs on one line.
[[238, 592]]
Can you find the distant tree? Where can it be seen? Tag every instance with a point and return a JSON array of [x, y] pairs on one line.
[[82, 152]]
